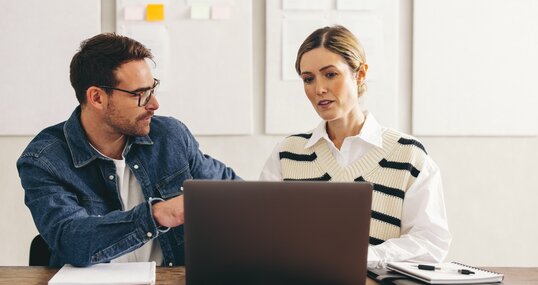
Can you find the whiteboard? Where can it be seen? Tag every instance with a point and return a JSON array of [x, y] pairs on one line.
[[39, 38], [205, 65], [474, 67], [289, 22]]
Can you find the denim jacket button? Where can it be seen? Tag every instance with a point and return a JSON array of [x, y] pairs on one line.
[[111, 177], [149, 234], [135, 166]]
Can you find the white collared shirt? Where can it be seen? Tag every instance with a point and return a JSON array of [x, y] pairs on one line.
[[424, 228]]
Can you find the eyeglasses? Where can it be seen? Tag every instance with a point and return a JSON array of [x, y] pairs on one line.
[[143, 95]]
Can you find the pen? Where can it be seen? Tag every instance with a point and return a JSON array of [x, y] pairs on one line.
[[433, 268]]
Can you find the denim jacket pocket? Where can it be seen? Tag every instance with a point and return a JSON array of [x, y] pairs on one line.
[[170, 186]]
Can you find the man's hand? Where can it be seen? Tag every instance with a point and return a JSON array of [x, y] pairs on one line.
[[169, 213]]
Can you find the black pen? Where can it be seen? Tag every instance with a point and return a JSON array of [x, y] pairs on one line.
[[433, 268]]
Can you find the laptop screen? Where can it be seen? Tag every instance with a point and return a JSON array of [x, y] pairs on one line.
[[246, 232]]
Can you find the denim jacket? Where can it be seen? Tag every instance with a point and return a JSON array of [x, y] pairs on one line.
[[72, 192]]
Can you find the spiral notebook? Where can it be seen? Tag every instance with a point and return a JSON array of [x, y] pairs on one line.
[[446, 273]]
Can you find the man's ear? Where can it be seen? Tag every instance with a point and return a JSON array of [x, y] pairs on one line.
[[96, 97]]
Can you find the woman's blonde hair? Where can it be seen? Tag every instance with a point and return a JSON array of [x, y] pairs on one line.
[[339, 40]]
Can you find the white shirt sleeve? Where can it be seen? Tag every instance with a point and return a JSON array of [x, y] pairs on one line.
[[272, 170], [424, 230]]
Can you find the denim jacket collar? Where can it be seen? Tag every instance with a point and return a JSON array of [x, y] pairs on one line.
[[81, 151]]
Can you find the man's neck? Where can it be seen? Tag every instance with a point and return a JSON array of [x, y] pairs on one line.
[[102, 138], [110, 148]]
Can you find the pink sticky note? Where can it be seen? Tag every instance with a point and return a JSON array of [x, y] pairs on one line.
[[133, 13], [220, 12]]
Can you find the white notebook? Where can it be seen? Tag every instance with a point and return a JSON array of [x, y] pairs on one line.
[[139, 273], [446, 273]]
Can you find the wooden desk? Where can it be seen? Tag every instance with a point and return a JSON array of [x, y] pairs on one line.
[[35, 275], [39, 275]]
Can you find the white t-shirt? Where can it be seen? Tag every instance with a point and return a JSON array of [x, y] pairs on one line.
[[130, 196]]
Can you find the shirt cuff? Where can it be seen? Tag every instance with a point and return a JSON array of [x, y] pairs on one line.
[[374, 261], [160, 229]]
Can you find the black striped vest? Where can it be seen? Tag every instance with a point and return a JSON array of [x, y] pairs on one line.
[[392, 169]]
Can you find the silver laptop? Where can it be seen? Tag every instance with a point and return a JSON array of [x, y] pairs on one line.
[[243, 232]]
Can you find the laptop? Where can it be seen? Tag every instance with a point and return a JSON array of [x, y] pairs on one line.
[[246, 232]]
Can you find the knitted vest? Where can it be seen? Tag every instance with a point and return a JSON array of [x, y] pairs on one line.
[[391, 169]]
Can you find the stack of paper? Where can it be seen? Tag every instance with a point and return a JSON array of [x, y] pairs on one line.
[[140, 273]]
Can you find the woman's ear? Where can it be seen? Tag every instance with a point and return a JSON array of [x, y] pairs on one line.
[[95, 97], [361, 73]]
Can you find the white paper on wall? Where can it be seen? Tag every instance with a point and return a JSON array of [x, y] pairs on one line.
[[475, 76], [369, 31], [200, 84], [157, 39], [306, 4], [36, 91], [294, 31], [357, 4], [286, 108], [211, 2]]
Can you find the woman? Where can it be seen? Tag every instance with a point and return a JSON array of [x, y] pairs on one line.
[[408, 213]]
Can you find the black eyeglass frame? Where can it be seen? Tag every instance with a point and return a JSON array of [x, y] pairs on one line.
[[138, 93]]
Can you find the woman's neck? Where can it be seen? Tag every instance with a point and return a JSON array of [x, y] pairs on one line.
[[342, 128]]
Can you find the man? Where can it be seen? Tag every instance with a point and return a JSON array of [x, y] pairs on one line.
[[105, 185]]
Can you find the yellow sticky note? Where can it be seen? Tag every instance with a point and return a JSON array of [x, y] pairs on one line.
[[155, 12], [200, 11]]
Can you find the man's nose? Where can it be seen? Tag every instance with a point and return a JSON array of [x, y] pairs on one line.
[[153, 104]]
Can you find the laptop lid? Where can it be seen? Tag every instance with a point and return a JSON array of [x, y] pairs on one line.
[[247, 232]]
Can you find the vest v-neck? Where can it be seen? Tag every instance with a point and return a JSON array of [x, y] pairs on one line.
[[362, 166]]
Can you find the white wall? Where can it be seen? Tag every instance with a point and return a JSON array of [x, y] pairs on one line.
[[491, 183]]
